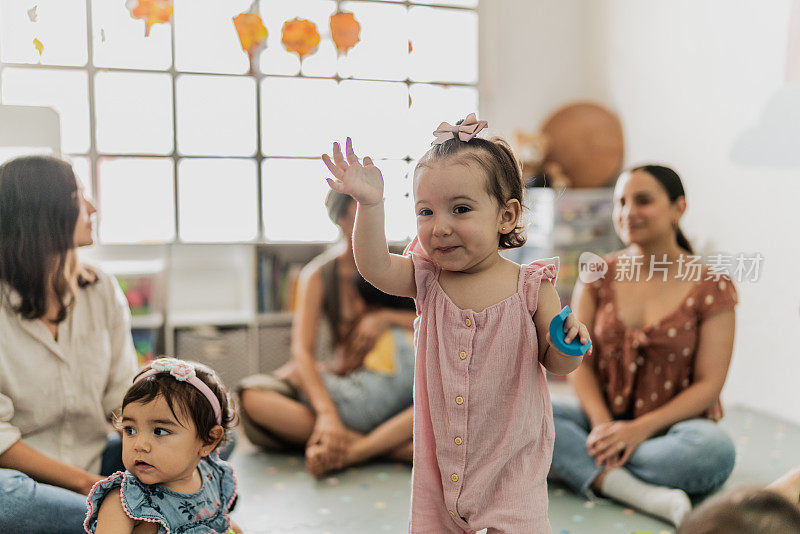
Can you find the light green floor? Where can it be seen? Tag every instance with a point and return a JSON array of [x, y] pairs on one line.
[[278, 496]]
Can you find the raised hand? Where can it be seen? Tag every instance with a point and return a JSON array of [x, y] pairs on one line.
[[363, 182]]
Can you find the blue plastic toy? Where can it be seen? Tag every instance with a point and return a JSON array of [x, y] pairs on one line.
[[574, 348]]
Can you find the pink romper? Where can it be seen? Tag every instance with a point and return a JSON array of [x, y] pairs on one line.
[[483, 424]]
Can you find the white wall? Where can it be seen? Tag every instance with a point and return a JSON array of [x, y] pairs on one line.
[[530, 60], [687, 78]]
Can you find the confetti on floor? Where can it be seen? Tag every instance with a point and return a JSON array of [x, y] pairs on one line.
[[278, 496]]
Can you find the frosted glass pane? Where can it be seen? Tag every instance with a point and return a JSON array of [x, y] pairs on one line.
[[217, 200], [293, 201], [119, 40], [136, 200], [205, 37], [83, 171], [432, 31], [299, 117], [133, 113], [60, 26], [432, 104], [401, 223], [275, 59], [382, 52], [7, 153], [458, 3], [216, 115], [66, 91], [379, 128]]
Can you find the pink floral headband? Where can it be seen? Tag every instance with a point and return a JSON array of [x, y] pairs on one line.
[[183, 372], [465, 131]]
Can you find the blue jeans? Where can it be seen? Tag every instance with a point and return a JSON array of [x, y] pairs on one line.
[[695, 455], [28, 507]]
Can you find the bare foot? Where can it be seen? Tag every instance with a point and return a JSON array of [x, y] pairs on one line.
[[315, 460], [317, 457]]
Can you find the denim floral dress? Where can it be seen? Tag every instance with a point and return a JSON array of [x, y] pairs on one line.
[[203, 512]]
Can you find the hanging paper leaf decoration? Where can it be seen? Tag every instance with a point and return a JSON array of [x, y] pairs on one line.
[[152, 11], [345, 31], [300, 36], [252, 34], [33, 16], [251, 30], [39, 46]]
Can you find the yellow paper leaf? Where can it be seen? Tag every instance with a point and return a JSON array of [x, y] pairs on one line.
[[39, 46], [251, 30], [151, 11], [345, 31], [300, 36]]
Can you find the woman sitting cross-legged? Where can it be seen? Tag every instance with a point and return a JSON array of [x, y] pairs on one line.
[[360, 407]]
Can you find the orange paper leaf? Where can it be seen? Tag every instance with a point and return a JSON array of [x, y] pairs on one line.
[[152, 11], [345, 31], [39, 46], [300, 36], [251, 30]]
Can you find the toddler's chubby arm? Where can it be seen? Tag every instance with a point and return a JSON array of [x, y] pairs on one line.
[[112, 519], [390, 273], [548, 307]]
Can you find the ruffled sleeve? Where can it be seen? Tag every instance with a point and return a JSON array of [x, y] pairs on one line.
[[531, 279], [425, 271], [226, 478], [133, 501], [716, 294]]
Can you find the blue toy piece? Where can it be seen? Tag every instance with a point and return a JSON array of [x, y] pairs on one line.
[[574, 348]]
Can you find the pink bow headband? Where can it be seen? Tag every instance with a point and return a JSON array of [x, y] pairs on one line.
[[465, 131], [183, 372]]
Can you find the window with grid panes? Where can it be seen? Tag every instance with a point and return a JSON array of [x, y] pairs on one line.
[[175, 141]]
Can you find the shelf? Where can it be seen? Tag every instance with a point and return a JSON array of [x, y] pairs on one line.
[[275, 318], [151, 320], [215, 318], [133, 267]]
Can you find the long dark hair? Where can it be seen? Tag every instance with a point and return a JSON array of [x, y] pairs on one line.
[[672, 184], [39, 207]]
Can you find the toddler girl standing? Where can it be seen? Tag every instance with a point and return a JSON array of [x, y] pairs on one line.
[[483, 427], [174, 417]]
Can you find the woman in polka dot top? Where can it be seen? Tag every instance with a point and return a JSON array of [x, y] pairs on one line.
[[644, 430]]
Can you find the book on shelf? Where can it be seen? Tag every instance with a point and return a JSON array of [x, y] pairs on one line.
[[277, 283]]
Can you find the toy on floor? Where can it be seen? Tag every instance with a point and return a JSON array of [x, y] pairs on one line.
[[574, 348]]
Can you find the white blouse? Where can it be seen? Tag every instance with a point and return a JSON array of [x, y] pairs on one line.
[[56, 396]]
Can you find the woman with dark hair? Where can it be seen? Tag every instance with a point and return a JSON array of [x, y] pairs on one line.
[[361, 408], [66, 353], [644, 430]]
